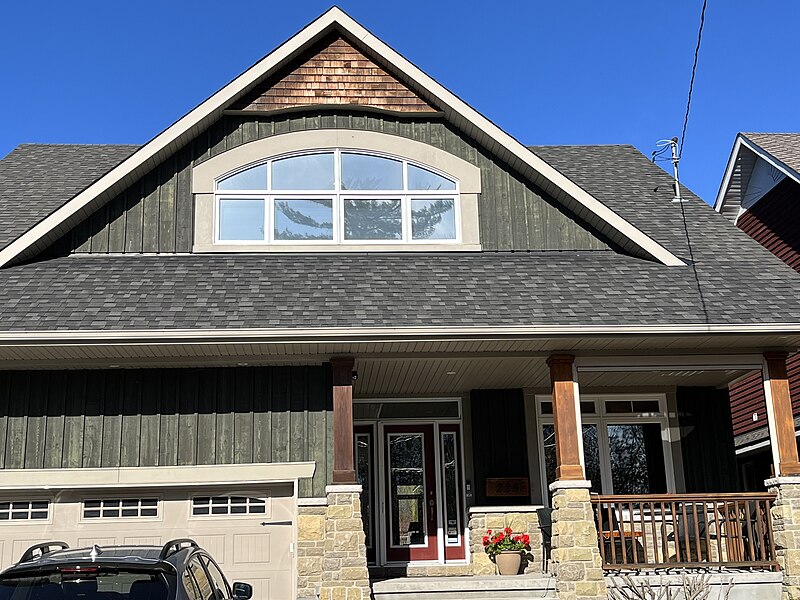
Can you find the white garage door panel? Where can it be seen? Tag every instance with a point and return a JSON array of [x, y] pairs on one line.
[[249, 540]]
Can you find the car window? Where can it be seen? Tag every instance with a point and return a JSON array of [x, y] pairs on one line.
[[190, 585], [207, 591], [220, 584]]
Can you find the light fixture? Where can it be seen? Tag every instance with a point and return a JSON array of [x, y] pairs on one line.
[[354, 375], [451, 372]]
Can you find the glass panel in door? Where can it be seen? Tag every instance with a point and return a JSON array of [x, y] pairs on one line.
[[364, 452], [450, 452], [411, 521]]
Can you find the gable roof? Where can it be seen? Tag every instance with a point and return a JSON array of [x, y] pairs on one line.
[[564, 190], [779, 150], [38, 179], [733, 284]]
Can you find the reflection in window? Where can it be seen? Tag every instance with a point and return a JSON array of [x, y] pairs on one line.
[[637, 459], [450, 465], [254, 178], [373, 220], [303, 219], [364, 475], [307, 172], [591, 455], [367, 172], [433, 219], [241, 220], [407, 489], [337, 196], [422, 179]]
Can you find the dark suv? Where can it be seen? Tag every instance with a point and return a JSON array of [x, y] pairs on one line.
[[181, 570]]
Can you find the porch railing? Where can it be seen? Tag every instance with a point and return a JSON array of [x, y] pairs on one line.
[[686, 530]]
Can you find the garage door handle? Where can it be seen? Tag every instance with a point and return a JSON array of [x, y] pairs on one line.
[[265, 523]]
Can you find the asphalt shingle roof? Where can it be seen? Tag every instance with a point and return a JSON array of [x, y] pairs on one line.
[[783, 146], [730, 279], [36, 179]]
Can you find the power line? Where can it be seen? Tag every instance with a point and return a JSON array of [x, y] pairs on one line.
[[694, 70]]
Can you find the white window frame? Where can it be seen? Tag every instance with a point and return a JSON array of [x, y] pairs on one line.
[[338, 197], [28, 520], [101, 519], [601, 419], [267, 514]]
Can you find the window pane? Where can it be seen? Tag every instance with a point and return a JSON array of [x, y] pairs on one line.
[[451, 508], [591, 455], [254, 178], [433, 219], [364, 172], [364, 475], [303, 219], [372, 220], [309, 172], [637, 459], [407, 489], [422, 179], [241, 219]]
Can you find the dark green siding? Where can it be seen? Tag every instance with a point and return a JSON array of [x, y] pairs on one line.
[[155, 214], [153, 417]]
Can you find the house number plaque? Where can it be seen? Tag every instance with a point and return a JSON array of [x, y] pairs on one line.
[[498, 487]]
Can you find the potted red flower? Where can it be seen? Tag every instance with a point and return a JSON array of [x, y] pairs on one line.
[[506, 548]]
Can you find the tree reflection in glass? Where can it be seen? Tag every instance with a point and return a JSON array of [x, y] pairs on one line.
[[407, 489]]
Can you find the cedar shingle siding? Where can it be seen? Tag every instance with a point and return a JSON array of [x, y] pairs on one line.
[[337, 74]]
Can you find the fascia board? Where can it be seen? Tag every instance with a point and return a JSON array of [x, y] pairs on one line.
[[147, 155]]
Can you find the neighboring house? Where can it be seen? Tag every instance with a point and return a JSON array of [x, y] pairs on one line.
[[759, 193], [333, 315]]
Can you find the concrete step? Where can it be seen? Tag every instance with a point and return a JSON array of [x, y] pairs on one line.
[[495, 587]]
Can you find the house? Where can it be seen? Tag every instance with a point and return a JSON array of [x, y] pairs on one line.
[[760, 185], [334, 322]]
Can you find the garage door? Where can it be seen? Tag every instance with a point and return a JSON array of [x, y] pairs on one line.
[[248, 531]]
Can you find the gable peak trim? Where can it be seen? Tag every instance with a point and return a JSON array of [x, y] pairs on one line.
[[177, 134]]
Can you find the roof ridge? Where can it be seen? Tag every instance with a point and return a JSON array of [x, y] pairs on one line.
[[73, 145]]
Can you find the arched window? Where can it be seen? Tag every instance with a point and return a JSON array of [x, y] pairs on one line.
[[336, 196]]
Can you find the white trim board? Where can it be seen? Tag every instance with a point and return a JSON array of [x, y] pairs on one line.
[[742, 140], [176, 135], [165, 476]]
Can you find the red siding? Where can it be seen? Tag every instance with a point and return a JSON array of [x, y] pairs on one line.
[[774, 222], [747, 398]]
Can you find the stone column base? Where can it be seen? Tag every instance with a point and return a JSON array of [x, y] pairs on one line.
[[344, 560], [786, 528], [576, 554]]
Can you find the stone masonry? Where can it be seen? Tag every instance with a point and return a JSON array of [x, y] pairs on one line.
[[310, 548], [344, 558], [522, 519], [576, 555], [786, 526]]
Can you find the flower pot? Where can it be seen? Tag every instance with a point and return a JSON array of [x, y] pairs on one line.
[[508, 562]]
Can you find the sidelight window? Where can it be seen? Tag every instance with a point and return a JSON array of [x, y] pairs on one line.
[[336, 197]]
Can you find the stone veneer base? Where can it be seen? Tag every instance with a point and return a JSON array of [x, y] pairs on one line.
[[786, 528]]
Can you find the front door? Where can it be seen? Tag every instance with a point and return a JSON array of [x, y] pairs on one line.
[[411, 504]]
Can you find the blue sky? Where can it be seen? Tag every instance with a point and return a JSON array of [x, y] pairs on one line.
[[567, 72]]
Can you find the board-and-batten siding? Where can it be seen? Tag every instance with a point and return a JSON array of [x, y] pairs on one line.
[[747, 398], [155, 214], [154, 417]]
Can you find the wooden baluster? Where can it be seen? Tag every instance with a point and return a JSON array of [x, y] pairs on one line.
[[621, 523], [707, 518], [675, 532], [610, 532], [697, 545], [600, 540], [749, 528], [687, 547], [718, 516], [772, 555], [632, 537]]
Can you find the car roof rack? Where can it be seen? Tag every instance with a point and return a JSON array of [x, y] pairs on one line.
[[43, 549], [172, 546]]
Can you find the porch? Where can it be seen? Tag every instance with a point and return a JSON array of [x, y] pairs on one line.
[[649, 452]]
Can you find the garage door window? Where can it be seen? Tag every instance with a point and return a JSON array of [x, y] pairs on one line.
[[120, 507], [25, 510], [228, 505]]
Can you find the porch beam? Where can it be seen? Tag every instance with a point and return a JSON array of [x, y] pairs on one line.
[[566, 418], [649, 362], [343, 460], [779, 414]]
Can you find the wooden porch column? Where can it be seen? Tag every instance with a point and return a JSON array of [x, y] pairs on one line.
[[344, 471], [566, 419], [779, 414]]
